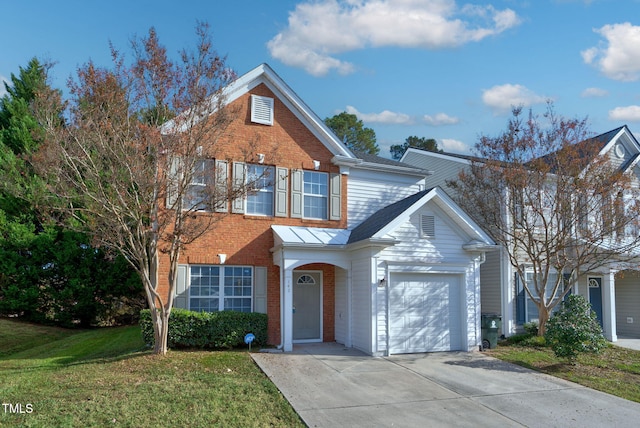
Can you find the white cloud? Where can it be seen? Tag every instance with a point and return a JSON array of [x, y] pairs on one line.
[[318, 30], [594, 93], [502, 98], [385, 117], [440, 119], [625, 114], [454, 146], [619, 57]]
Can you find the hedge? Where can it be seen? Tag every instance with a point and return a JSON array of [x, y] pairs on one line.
[[215, 330]]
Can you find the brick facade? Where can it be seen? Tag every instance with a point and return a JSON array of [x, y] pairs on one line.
[[246, 239]]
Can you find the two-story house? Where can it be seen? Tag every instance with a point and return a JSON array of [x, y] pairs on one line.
[[332, 245], [613, 289]]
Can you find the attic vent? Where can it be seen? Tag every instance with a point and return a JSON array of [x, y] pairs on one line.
[[428, 226], [262, 110]]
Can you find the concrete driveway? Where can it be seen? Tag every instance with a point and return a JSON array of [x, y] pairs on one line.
[[331, 386]]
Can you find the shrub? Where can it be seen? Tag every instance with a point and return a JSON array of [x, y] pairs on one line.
[[574, 329], [535, 342], [531, 328], [217, 330]]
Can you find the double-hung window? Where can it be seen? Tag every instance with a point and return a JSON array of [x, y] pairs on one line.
[[528, 311], [196, 194], [260, 180], [316, 194], [220, 288]]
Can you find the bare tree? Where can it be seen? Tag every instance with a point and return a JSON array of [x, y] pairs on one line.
[[139, 177], [558, 207]]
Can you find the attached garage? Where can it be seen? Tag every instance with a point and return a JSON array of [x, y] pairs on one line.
[[425, 312]]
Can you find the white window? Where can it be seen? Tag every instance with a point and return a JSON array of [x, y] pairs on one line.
[[198, 190], [219, 288], [528, 309], [316, 194], [260, 197]]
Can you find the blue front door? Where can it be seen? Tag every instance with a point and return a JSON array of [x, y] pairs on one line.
[[595, 297]]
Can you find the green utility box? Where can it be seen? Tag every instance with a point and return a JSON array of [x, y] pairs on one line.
[[490, 324]]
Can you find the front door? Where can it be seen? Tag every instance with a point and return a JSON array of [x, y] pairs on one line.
[[307, 306], [595, 297]]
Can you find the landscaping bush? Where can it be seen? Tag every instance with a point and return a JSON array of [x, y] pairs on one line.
[[531, 328], [217, 330], [574, 329]]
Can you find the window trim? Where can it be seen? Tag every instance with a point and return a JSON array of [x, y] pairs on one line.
[[221, 297], [271, 177], [316, 196], [199, 179], [527, 300]]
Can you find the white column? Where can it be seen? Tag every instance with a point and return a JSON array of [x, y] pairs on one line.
[[287, 325], [347, 341], [609, 306]]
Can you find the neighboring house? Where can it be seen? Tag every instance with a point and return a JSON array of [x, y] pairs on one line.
[[613, 291], [336, 246]]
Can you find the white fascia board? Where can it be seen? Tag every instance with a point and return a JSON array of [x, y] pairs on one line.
[[613, 141], [301, 110], [414, 171], [457, 215], [265, 74], [413, 150], [404, 216], [461, 218]]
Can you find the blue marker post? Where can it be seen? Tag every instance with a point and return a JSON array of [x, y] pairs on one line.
[[248, 339]]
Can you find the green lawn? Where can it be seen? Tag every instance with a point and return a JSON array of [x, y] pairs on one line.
[[615, 371], [105, 377]]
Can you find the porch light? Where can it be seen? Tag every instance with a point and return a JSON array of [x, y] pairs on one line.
[[223, 258], [382, 283], [316, 165], [260, 157]]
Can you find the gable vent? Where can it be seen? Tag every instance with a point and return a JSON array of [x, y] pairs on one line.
[[428, 226], [262, 110]]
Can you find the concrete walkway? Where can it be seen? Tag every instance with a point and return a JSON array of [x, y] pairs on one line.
[[330, 386], [627, 342]]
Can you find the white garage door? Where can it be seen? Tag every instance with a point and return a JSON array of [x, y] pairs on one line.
[[425, 312]]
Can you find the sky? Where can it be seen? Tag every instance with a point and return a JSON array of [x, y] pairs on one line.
[[443, 69]]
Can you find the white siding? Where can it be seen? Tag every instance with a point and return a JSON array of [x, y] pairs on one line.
[[440, 255], [381, 309], [443, 169], [628, 305], [446, 246], [371, 191], [361, 305], [341, 312]]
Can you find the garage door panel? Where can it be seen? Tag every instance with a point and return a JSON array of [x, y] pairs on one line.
[[425, 313]]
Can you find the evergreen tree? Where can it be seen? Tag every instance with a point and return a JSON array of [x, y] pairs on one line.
[[47, 273], [351, 131], [429, 144]]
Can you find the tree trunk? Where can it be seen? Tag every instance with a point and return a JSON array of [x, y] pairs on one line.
[[543, 317], [160, 332]]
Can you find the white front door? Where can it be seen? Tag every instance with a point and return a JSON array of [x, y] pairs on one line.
[[307, 306]]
